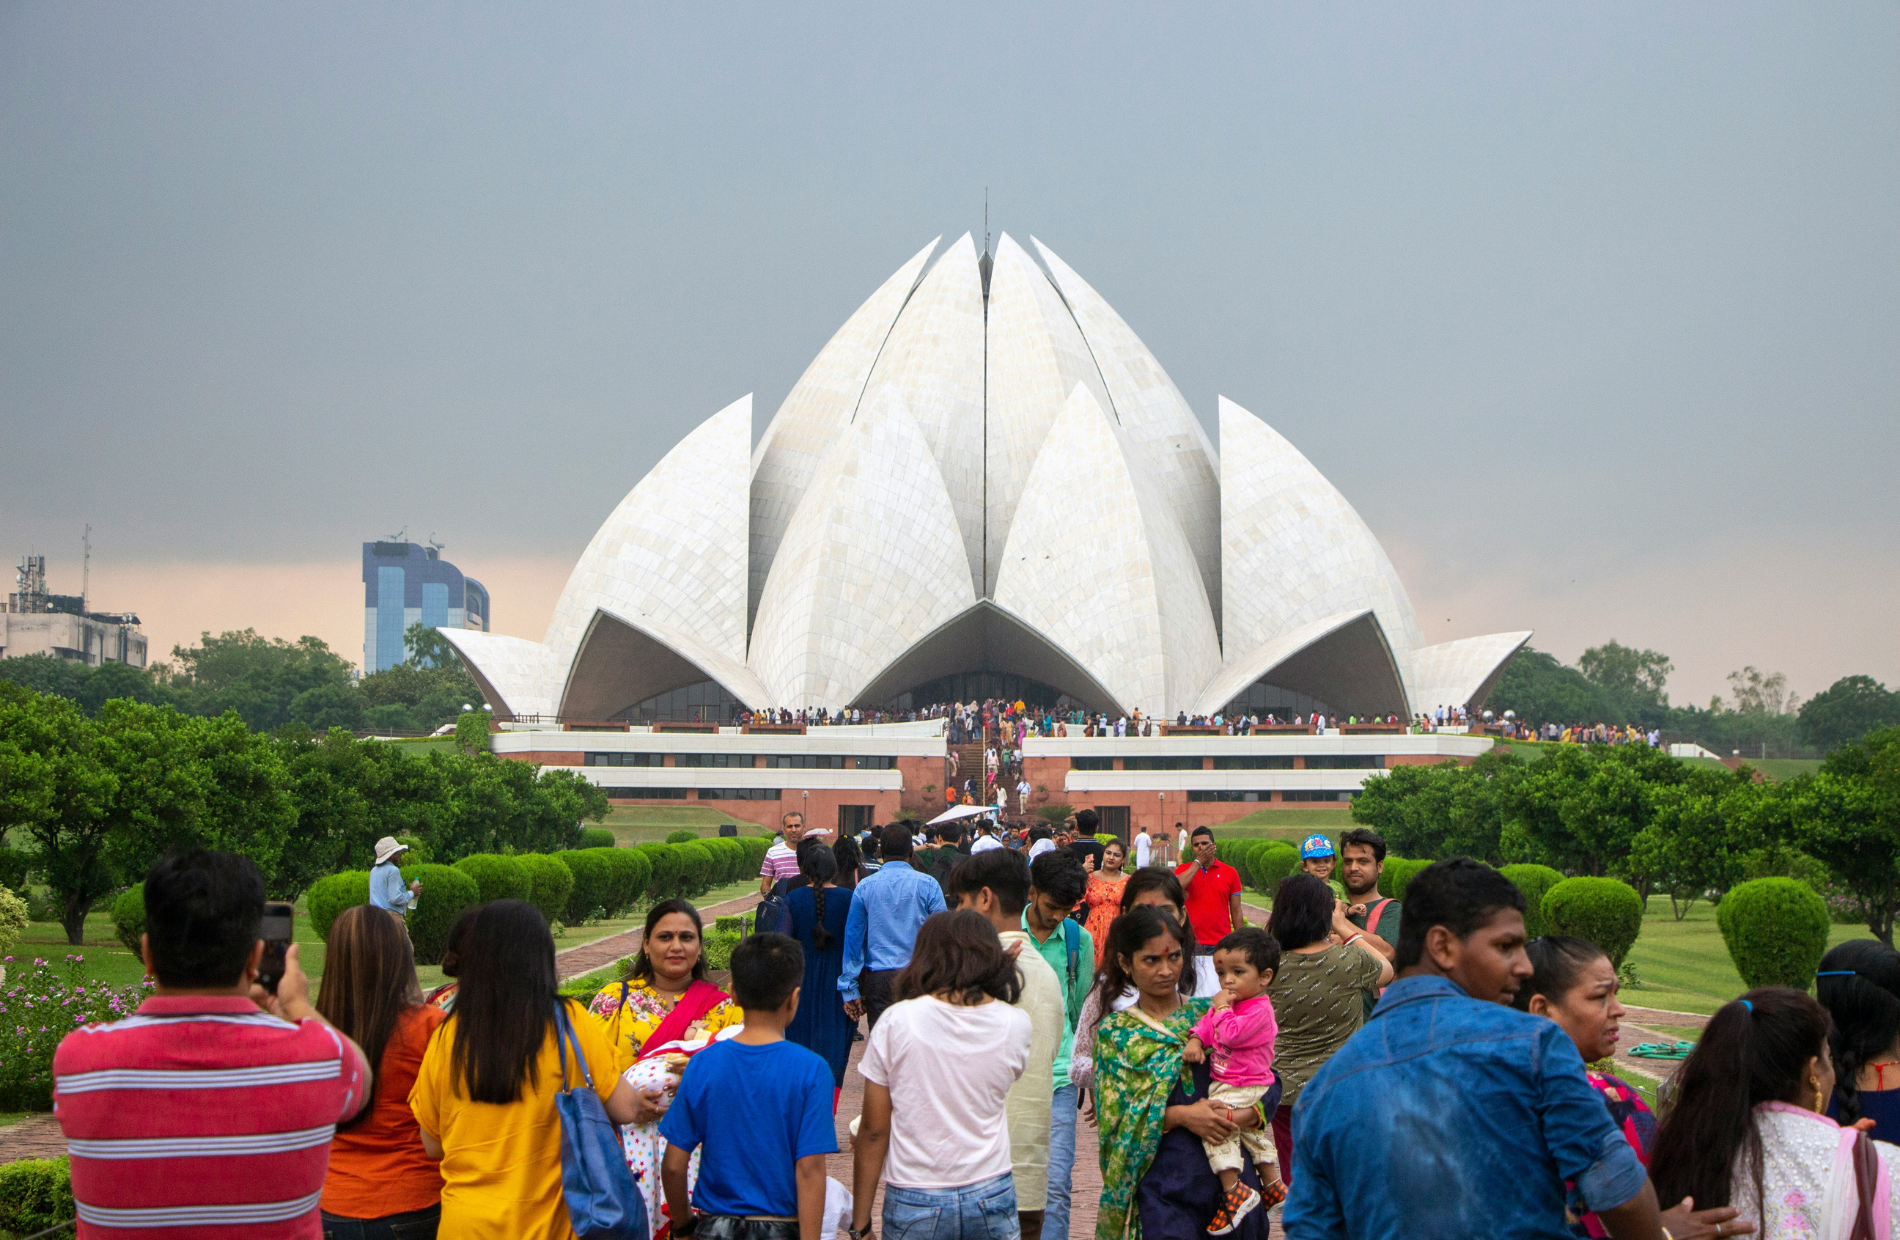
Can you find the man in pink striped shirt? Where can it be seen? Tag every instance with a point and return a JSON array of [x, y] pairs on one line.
[[210, 1111]]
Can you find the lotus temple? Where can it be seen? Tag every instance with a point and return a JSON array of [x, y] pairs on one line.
[[984, 485]]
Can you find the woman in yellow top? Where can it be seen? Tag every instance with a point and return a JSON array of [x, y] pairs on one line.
[[662, 1013], [484, 1096]]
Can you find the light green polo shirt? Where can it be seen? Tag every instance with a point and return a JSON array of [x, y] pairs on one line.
[[1055, 951]]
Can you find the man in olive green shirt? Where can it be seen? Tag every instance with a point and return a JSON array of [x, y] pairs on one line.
[[1361, 860]]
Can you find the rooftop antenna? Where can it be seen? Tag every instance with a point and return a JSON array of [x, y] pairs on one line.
[[85, 568], [985, 263]]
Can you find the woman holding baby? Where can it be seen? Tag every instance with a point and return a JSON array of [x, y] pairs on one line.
[[660, 1014]]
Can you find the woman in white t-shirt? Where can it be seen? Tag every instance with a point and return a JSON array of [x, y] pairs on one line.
[[936, 1072]]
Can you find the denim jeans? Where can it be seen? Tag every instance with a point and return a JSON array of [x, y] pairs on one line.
[[1055, 1218], [985, 1211], [414, 1225]]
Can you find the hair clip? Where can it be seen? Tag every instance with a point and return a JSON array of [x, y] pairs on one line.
[[1745, 1003], [1835, 973]]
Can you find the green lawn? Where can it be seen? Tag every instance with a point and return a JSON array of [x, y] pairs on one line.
[[111, 963], [639, 824], [1292, 825]]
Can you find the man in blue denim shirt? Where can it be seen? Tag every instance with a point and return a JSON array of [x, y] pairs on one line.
[[1450, 1116]]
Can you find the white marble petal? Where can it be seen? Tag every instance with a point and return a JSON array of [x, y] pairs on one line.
[[673, 554], [517, 676], [817, 408], [933, 366], [1293, 551], [873, 563], [624, 660], [1097, 563], [1462, 672], [1036, 357], [1156, 419]]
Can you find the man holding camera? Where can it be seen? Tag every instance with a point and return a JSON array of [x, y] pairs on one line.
[[214, 1105]]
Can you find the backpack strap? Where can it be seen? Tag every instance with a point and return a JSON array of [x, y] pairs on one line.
[[1372, 915], [1073, 941]]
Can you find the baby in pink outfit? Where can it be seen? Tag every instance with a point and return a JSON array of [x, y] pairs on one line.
[[1237, 1036]]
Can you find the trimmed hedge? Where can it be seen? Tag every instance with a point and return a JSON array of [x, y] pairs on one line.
[[665, 881], [1776, 931], [631, 871], [1606, 911], [1535, 881], [681, 837], [593, 883], [731, 857], [756, 846], [446, 891], [718, 948], [551, 883], [1399, 873], [329, 896], [128, 916], [698, 868], [35, 1194], [498, 877], [598, 837], [1267, 866]]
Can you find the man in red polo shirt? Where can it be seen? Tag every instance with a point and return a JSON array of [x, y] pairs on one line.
[[210, 1111], [1213, 893]]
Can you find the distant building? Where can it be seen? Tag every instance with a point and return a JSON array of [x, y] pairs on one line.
[[405, 583], [36, 622]]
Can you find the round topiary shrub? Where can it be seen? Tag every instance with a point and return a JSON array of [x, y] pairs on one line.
[[329, 896], [697, 867], [1267, 866], [1387, 873], [1535, 881], [666, 881], [1398, 876], [631, 870], [756, 846], [446, 891], [731, 859], [498, 877], [597, 837], [593, 881], [681, 837], [1776, 931], [551, 882], [1604, 910], [128, 916]]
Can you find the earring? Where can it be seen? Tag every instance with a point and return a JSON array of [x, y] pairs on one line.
[[1820, 1100]]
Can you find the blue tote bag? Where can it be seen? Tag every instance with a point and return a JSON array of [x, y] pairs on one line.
[[603, 1202]]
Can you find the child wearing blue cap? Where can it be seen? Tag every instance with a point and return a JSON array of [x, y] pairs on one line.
[[1318, 858]]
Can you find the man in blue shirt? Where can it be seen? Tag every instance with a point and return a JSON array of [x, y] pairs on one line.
[[758, 1108], [1449, 1115], [385, 881], [886, 913]]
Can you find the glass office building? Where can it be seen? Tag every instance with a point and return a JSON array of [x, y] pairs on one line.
[[405, 583]]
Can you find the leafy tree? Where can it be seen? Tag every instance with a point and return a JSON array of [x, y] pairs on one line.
[[54, 788], [328, 706], [1758, 694], [258, 677], [1444, 810], [46, 673], [1538, 687], [1640, 674], [471, 731], [427, 648], [1691, 846], [1580, 808], [1847, 710], [1847, 816]]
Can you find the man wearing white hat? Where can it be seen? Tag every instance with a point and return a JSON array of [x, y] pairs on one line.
[[385, 881]]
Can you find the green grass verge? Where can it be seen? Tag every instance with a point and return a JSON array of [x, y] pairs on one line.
[[1684, 965], [1292, 825], [639, 824]]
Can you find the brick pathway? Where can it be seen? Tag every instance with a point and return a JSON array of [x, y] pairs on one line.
[[36, 1136]]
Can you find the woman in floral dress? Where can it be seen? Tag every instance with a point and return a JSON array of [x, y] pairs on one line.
[[1104, 896], [1152, 1108], [662, 1013]]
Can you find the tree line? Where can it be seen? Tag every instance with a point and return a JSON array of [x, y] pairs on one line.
[[1618, 684], [269, 682], [89, 799], [1662, 825]]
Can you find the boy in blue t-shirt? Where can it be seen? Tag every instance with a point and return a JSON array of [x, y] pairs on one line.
[[759, 1110]]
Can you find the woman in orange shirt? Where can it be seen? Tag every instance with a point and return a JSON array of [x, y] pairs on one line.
[[380, 1182], [1104, 896]]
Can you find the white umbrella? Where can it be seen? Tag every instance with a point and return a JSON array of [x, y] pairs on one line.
[[963, 811]]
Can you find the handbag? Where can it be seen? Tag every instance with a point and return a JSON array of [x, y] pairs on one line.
[[603, 1203]]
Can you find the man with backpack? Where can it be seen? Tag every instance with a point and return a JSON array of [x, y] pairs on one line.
[[1361, 860], [1057, 881]]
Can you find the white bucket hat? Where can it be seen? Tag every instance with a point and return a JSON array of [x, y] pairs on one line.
[[387, 847]]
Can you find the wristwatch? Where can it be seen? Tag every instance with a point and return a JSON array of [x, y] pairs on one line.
[[858, 1233]]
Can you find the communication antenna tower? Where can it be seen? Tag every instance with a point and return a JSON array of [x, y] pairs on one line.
[[85, 570]]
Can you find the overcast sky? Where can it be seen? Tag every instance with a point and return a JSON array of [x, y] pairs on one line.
[[1594, 314]]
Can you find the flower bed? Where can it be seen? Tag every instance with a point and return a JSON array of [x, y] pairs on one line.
[[40, 1003]]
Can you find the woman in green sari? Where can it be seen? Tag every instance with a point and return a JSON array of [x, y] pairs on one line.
[[1152, 1108]]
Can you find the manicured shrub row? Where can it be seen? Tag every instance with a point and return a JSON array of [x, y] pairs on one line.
[[1398, 875], [1776, 931], [1535, 881], [128, 916], [598, 837], [1270, 863], [1606, 911], [35, 1194]]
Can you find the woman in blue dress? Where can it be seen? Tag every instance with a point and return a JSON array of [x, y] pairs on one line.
[[817, 911]]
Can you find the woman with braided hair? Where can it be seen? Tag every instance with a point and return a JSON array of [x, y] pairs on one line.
[[1859, 984], [817, 911]]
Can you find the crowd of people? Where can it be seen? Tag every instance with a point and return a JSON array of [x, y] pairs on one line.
[[1380, 1070]]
